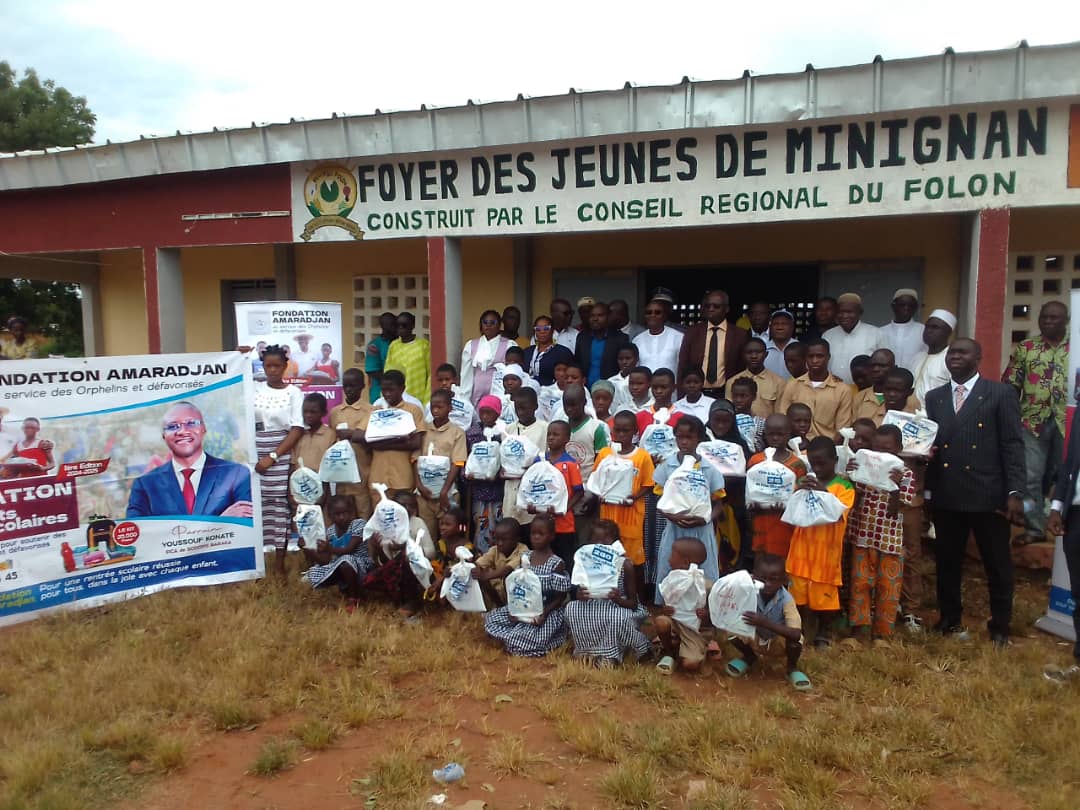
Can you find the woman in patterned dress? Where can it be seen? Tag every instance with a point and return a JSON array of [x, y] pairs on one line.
[[549, 632], [279, 424], [341, 559], [604, 629]]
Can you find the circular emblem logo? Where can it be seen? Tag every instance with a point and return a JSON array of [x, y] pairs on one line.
[[330, 191]]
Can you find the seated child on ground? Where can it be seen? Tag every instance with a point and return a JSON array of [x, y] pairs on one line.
[[776, 616], [341, 559], [495, 564], [453, 532], [680, 642], [816, 552], [605, 629], [528, 639], [391, 574]]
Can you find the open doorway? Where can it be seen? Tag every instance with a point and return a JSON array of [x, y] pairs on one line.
[[794, 286]]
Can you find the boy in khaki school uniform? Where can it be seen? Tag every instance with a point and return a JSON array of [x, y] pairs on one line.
[[444, 438], [353, 413], [770, 385]]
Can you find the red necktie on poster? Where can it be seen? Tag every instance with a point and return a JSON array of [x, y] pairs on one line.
[[189, 491]]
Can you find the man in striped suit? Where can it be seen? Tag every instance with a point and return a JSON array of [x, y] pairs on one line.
[[975, 485]]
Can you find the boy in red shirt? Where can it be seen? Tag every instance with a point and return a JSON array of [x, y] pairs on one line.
[[565, 531]]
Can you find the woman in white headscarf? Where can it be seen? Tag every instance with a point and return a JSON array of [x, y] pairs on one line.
[[480, 355]]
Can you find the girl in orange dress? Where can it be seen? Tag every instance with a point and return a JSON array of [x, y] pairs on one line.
[[815, 557]]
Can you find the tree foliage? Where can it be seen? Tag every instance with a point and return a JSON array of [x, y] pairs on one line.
[[36, 114], [53, 309]]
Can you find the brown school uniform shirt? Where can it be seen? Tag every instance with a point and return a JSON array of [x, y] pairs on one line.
[[394, 467], [493, 560], [356, 417], [866, 406], [311, 447], [830, 404], [770, 386]]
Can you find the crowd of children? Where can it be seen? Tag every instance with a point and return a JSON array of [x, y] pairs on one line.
[[809, 576]]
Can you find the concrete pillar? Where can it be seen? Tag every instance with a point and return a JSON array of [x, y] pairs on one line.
[[163, 281], [93, 330], [284, 272], [982, 313], [523, 277], [445, 296]]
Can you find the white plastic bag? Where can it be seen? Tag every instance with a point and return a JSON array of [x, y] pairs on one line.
[[769, 484], [389, 520], [517, 454], [524, 593], [612, 481], [872, 469], [730, 597], [419, 564], [684, 590], [597, 568], [809, 507], [686, 492], [542, 486], [727, 457], [339, 464], [747, 426], [309, 523], [433, 470], [304, 484], [549, 397], [389, 423], [918, 432], [459, 588], [498, 371], [483, 461], [795, 446], [658, 439]]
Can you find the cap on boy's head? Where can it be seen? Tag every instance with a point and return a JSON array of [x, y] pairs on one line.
[[905, 291], [603, 385], [663, 294], [585, 301], [491, 402], [850, 298], [944, 316], [783, 313]]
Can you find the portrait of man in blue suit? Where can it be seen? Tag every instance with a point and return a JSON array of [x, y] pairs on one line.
[[191, 482]]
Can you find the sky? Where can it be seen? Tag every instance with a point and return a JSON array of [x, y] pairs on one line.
[[153, 68]]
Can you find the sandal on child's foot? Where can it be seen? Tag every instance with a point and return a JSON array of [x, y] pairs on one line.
[[799, 680], [666, 665], [712, 651], [822, 643], [737, 667]]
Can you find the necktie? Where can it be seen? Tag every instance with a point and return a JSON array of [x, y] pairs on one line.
[[958, 398], [189, 491], [714, 356]]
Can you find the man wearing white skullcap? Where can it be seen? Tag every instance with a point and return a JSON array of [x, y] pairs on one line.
[[904, 335], [850, 337], [929, 366]]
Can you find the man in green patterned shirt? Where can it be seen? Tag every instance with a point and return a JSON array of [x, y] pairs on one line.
[[412, 357], [1039, 369]]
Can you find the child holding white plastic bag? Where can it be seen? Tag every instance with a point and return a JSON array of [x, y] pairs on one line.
[[315, 441], [776, 617], [497, 563], [446, 441], [605, 629], [683, 626], [391, 574], [486, 494], [689, 433], [341, 559], [548, 632], [815, 556]]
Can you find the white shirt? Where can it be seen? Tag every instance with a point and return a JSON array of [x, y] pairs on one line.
[[405, 397], [968, 385], [196, 476], [774, 359], [700, 409], [304, 360], [660, 351], [843, 346], [279, 408], [905, 341], [632, 330], [483, 358], [567, 338], [930, 373]]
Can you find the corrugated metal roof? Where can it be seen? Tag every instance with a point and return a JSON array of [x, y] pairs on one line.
[[930, 81]]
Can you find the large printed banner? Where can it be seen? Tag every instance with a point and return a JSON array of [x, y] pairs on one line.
[[121, 476], [310, 331], [963, 158]]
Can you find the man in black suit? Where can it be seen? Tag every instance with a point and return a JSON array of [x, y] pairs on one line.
[[599, 361], [1064, 521], [975, 485]]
